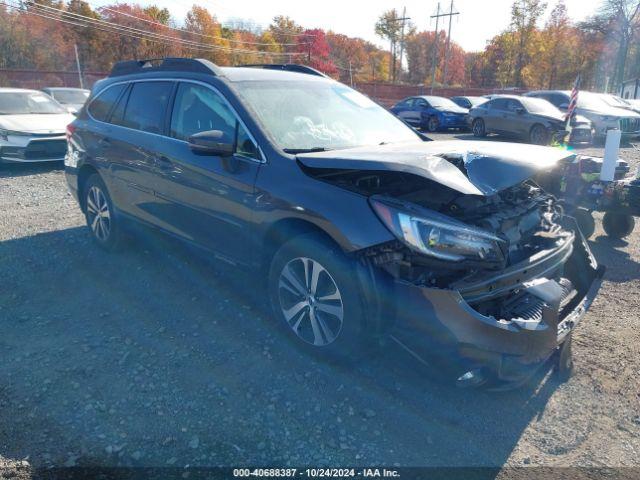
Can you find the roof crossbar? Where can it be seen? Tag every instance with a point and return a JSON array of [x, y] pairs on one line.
[[195, 65]]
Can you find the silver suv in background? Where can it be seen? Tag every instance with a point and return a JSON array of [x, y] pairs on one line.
[[70, 98], [603, 116]]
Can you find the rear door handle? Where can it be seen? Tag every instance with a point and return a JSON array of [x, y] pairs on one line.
[[104, 142]]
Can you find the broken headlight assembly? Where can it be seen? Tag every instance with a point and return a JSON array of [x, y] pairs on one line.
[[431, 233]]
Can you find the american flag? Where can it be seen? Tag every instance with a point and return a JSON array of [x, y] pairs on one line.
[[573, 101]]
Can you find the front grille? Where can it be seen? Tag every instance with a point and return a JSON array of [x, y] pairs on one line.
[[629, 125], [43, 149]]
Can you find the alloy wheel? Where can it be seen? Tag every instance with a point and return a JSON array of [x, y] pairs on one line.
[[539, 135], [98, 215], [310, 301], [478, 128]]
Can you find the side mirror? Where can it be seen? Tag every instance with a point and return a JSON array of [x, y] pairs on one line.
[[563, 106], [519, 110], [211, 142]]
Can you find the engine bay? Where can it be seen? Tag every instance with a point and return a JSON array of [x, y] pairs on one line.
[[524, 216]]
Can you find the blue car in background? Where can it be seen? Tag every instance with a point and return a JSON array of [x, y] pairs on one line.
[[432, 113]]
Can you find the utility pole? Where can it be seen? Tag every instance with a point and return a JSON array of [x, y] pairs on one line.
[[404, 18], [434, 60], [75, 46], [435, 44], [392, 69], [446, 51]]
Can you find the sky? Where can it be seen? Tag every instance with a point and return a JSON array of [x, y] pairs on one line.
[[479, 20]]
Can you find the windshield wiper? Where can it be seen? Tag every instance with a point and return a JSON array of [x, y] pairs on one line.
[[306, 150]]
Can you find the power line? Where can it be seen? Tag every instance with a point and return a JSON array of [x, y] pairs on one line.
[[137, 33], [193, 33], [260, 26]]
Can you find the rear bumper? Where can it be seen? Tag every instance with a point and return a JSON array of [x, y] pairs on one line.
[[506, 336]]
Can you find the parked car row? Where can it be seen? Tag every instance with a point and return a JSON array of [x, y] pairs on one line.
[[536, 117], [33, 122]]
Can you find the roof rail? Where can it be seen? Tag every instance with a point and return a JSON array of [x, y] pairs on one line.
[[195, 65], [289, 67]]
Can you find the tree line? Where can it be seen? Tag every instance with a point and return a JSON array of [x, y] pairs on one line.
[[604, 49]]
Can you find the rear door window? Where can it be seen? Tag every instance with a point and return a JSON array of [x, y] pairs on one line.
[[102, 105], [147, 105]]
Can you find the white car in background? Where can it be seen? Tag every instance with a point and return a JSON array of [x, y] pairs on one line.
[[32, 127], [597, 108], [71, 98]]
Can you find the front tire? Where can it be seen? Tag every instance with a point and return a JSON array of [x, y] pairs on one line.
[[99, 214], [432, 124], [539, 135], [315, 298], [478, 128], [618, 225]]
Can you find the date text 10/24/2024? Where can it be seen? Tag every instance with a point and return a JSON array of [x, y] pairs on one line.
[[316, 472]]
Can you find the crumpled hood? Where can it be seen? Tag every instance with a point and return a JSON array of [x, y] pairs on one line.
[[490, 166], [54, 123]]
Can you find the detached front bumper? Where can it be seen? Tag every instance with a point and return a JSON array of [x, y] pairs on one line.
[[507, 324]]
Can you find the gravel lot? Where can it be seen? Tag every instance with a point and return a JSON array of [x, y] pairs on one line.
[[153, 358]]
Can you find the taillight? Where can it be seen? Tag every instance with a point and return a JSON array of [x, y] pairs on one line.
[[70, 129]]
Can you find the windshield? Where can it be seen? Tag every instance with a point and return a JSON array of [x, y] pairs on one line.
[[540, 106], [441, 102], [475, 101], [322, 115], [22, 103], [70, 96]]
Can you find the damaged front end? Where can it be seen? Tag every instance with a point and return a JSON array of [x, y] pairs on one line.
[[491, 281]]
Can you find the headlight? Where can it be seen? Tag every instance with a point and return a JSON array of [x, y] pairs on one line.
[[448, 114], [437, 235], [606, 118], [4, 134]]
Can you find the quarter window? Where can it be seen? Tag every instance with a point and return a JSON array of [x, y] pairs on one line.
[[146, 106], [103, 103]]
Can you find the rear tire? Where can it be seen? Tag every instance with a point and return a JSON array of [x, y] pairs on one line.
[[432, 124], [618, 225], [478, 128], [315, 297], [100, 215]]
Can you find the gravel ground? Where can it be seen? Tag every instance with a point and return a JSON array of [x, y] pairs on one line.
[[152, 358]]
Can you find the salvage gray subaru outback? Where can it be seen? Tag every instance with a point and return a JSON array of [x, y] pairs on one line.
[[359, 226]]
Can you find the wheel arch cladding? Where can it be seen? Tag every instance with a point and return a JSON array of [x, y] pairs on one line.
[[284, 230], [83, 175]]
